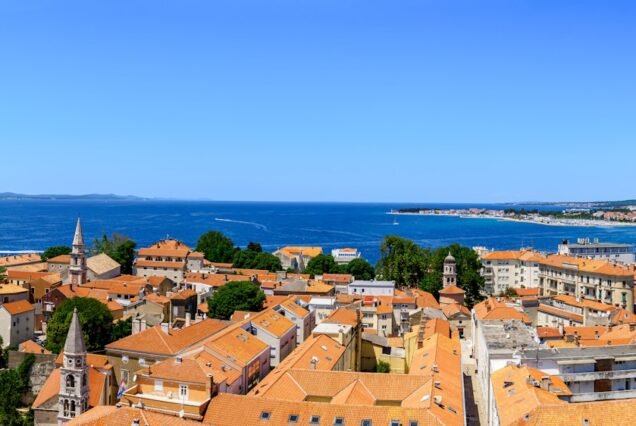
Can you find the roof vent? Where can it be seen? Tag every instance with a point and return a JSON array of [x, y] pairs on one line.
[[437, 399], [178, 360]]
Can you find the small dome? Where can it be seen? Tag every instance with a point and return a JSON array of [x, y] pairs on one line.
[[449, 258]]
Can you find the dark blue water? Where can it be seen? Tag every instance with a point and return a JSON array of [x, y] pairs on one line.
[[36, 225]]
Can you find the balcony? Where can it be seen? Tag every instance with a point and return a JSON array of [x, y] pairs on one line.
[[598, 375], [167, 405], [601, 396]]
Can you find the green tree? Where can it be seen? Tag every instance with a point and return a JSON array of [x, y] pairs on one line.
[[360, 269], [13, 383], [216, 247], [402, 261], [54, 251], [323, 264], [3, 274], [267, 261], [252, 246], [244, 259], [119, 248], [235, 296], [121, 329], [383, 367], [94, 316]]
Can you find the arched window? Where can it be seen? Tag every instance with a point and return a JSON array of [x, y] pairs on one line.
[[70, 381], [66, 408], [84, 379], [72, 408]]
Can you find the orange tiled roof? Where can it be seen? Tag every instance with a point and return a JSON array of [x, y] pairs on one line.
[[493, 309], [12, 289], [452, 309], [571, 300], [19, 259], [30, 346], [236, 345], [451, 289], [109, 415], [154, 340], [424, 299], [523, 292], [293, 307], [18, 307], [271, 301], [547, 332], [592, 413], [592, 266], [214, 280], [524, 255], [516, 398], [166, 248], [338, 278], [63, 258], [292, 251], [622, 316], [343, 316], [51, 388]]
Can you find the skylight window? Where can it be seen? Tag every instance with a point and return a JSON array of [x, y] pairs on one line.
[[314, 420], [293, 418], [266, 415], [366, 422], [338, 421]]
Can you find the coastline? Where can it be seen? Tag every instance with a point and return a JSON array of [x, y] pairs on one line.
[[547, 222]]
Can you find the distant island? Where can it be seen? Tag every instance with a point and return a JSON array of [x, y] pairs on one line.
[[579, 204], [576, 216], [91, 197]]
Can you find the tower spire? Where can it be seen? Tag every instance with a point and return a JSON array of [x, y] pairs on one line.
[[77, 269], [74, 390]]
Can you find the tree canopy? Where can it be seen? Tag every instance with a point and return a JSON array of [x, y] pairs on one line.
[[94, 316], [13, 383], [360, 269], [54, 251], [402, 261], [235, 296], [216, 247], [323, 264], [121, 329], [119, 248]]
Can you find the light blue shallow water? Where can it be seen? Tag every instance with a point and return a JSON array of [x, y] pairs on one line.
[[35, 225]]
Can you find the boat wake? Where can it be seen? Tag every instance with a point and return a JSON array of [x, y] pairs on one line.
[[242, 222]]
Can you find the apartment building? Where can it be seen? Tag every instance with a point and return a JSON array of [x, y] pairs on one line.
[[342, 256], [510, 269], [594, 249], [564, 310], [599, 280], [166, 258]]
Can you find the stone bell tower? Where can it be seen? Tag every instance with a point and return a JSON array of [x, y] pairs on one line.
[[450, 271], [73, 395], [77, 269]]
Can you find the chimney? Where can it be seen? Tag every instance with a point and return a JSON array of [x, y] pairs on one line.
[[135, 422], [178, 360], [136, 324], [545, 383], [165, 327], [209, 385], [142, 325], [188, 319]]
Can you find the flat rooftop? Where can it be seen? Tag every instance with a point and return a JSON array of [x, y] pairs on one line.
[[508, 335]]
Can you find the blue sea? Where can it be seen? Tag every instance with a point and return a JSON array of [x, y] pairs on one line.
[[36, 225]]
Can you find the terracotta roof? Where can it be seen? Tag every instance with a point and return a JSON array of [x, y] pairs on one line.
[[522, 292], [343, 316], [290, 305], [622, 316], [245, 271], [560, 313], [196, 255], [585, 332], [63, 258], [424, 299], [383, 309], [338, 278], [159, 264], [271, 301], [516, 398], [452, 309], [101, 263], [571, 300], [19, 259], [162, 300], [236, 345], [157, 280], [437, 326], [18, 307], [109, 415], [155, 341], [30, 346], [183, 295], [166, 248], [227, 408], [591, 413], [27, 275], [451, 289], [32, 267], [524, 255], [493, 309], [592, 266], [292, 251], [213, 280], [547, 332], [272, 322]]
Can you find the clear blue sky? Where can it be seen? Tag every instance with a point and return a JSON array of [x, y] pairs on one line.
[[320, 100]]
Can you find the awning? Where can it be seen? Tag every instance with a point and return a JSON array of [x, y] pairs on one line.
[[576, 361]]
